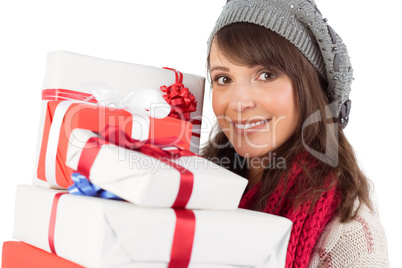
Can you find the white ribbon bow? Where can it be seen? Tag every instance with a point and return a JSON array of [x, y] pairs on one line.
[[145, 102]]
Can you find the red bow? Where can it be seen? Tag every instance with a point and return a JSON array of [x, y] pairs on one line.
[[152, 147], [179, 98]]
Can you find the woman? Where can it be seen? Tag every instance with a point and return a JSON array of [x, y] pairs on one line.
[[281, 80]]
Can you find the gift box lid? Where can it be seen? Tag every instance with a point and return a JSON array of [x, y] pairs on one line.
[[78, 72]]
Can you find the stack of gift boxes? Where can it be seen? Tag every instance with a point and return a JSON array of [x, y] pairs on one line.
[[119, 182]]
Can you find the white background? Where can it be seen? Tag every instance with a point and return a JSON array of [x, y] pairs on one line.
[[174, 33]]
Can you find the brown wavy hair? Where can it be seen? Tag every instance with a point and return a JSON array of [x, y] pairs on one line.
[[252, 45]]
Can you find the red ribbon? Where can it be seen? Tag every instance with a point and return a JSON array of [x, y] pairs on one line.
[[88, 155], [65, 94], [52, 222], [151, 147], [179, 97], [183, 239]]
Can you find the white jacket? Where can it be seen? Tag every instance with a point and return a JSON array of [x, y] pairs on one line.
[[360, 243]]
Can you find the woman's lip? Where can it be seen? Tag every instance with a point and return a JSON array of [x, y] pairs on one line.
[[249, 126], [248, 121]]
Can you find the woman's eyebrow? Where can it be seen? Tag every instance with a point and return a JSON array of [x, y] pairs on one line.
[[220, 68]]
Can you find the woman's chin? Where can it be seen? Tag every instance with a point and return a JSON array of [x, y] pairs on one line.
[[251, 152]]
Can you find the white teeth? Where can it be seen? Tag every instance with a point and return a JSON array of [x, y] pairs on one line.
[[246, 126]]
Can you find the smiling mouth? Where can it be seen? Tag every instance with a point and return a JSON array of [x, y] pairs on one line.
[[260, 123]]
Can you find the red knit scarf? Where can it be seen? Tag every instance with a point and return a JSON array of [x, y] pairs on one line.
[[307, 226]]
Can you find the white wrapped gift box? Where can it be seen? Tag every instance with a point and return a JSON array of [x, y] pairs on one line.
[[147, 181], [96, 232], [71, 71]]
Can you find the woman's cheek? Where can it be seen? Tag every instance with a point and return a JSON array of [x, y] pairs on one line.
[[218, 104]]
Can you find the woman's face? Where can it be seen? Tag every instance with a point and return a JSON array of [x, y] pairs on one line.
[[255, 107]]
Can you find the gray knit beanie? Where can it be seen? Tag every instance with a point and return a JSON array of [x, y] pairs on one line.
[[300, 22]]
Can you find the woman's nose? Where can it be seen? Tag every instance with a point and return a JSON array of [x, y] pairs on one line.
[[241, 98]]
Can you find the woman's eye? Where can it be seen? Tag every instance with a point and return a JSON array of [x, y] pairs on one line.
[[266, 76], [222, 80]]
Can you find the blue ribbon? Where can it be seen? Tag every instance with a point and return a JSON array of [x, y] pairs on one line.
[[82, 186]]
